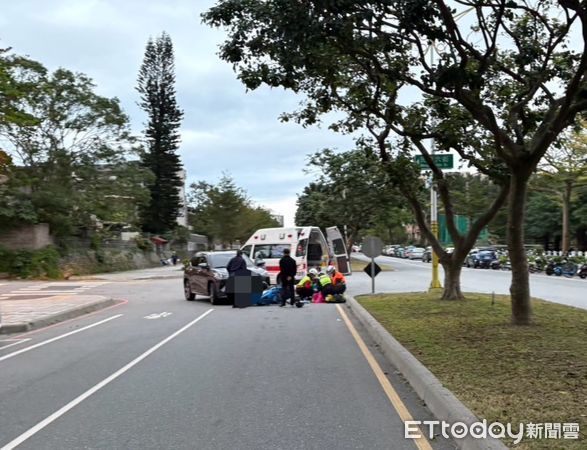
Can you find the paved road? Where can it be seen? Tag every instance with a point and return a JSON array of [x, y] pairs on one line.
[[415, 276], [158, 372]]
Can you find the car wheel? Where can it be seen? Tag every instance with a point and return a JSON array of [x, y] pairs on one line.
[[213, 293], [187, 290]]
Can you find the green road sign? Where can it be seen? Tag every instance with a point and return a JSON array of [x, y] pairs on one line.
[[462, 223], [442, 161]]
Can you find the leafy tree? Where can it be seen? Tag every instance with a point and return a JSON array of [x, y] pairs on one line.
[[580, 217], [543, 220], [333, 80], [563, 170], [224, 213], [390, 221], [352, 189], [62, 153], [314, 207], [503, 86], [156, 85], [12, 89]]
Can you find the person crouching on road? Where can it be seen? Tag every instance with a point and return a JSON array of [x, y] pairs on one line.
[[305, 288], [287, 273], [338, 280], [325, 283]]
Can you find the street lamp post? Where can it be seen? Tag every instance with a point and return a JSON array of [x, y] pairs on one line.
[[435, 283], [346, 237]]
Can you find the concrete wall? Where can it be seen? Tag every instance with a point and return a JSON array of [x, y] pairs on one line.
[[26, 237]]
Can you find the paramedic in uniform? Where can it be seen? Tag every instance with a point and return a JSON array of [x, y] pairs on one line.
[[305, 288], [287, 273], [338, 280]]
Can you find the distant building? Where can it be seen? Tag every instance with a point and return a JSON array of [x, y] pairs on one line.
[[279, 218]]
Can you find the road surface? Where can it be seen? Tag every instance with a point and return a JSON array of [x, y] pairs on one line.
[[159, 372], [416, 276]]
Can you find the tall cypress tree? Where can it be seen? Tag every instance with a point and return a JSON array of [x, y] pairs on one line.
[[156, 85]]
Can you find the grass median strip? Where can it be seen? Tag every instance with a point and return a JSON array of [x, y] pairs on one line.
[[357, 265], [534, 374]]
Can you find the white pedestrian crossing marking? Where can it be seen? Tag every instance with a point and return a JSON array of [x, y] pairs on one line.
[[52, 289]]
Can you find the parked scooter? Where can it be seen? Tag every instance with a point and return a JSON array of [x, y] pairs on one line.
[[536, 265], [495, 264], [583, 271], [566, 268], [551, 268]]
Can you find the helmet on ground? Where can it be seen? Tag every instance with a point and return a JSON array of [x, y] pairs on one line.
[[330, 270], [313, 272]]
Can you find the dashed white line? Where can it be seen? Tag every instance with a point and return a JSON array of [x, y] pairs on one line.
[[18, 341], [57, 338]]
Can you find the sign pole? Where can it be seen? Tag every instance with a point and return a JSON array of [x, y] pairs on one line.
[[435, 284], [372, 275]]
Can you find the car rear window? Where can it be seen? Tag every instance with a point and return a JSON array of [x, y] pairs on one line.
[[220, 260]]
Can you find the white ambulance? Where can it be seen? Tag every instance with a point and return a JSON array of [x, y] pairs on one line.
[[308, 246]]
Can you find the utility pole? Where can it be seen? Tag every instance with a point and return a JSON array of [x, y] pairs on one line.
[[435, 283]]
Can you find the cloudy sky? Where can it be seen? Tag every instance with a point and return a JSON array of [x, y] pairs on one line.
[[225, 129]]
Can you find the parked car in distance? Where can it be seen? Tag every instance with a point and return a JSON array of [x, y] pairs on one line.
[[387, 250], [481, 258], [427, 256], [206, 275], [416, 253], [407, 251], [356, 248]]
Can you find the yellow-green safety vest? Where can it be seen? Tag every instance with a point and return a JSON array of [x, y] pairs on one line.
[[325, 280]]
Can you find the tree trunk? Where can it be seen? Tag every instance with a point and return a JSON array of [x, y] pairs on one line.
[[452, 282], [566, 218], [520, 286]]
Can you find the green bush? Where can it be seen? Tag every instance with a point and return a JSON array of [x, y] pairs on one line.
[[43, 263], [143, 244]]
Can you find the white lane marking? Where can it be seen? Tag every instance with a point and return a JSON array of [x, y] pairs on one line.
[[157, 316], [18, 341], [56, 338], [76, 401]]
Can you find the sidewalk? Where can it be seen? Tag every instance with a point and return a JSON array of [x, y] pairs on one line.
[[154, 273], [19, 314]]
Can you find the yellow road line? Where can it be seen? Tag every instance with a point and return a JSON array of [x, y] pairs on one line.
[[391, 393]]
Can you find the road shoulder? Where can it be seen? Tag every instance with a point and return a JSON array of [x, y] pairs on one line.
[[441, 402]]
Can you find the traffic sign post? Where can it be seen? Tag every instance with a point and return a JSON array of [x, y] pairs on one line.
[[372, 247], [442, 161]]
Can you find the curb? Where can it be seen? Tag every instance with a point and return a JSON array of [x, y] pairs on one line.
[[55, 318], [442, 403]]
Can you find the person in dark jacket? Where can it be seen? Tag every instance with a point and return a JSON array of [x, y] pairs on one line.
[[237, 265], [287, 273]]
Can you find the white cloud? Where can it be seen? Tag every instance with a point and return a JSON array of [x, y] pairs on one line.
[[285, 207]]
